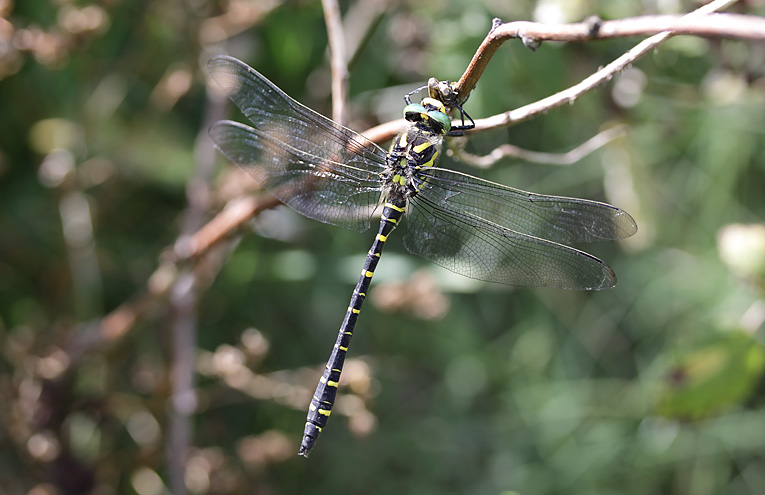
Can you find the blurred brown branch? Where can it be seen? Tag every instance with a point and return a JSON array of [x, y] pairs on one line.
[[533, 33], [508, 150], [734, 26], [99, 335], [337, 59]]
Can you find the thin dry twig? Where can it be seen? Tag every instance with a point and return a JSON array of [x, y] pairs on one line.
[[183, 305], [337, 63], [573, 156], [736, 26]]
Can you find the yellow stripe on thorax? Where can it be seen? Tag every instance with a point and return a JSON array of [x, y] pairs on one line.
[[401, 141], [432, 160], [422, 147]]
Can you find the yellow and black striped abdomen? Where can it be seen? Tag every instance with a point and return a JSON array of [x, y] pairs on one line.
[[324, 397]]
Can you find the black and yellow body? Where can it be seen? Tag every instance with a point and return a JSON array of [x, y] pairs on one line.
[[474, 227], [324, 397], [412, 150]]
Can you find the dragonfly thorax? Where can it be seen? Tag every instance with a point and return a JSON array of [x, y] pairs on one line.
[[411, 152]]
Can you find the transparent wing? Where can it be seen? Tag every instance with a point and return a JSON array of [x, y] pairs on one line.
[[317, 167], [555, 218], [330, 192], [495, 233]]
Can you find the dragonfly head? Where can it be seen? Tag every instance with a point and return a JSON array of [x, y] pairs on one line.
[[431, 113]]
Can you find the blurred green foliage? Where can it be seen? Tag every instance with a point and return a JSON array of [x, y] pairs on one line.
[[464, 387]]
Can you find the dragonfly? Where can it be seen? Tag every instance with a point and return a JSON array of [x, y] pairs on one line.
[[473, 227]]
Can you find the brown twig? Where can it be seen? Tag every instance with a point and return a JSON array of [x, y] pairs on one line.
[[385, 132], [116, 324], [184, 296], [698, 22], [573, 156], [337, 64], [499, 34], [229, 220]]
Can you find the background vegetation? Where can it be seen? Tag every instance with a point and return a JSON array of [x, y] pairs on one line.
[[464, 387]]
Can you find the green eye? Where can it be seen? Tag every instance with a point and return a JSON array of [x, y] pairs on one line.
[[442, 119], [413, 112]]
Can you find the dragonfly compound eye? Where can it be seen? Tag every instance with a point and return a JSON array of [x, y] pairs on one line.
[[414, 112], [440, 121]]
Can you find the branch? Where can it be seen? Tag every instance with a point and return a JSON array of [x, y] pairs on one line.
[[98, 335], [500, 33], [573, 156], [701, 22], [338, 65], [184, 297], [228, 221]]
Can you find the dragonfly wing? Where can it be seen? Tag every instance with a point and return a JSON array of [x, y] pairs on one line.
[[470, 245], [555, 218], [329, 192], [316, 166]]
